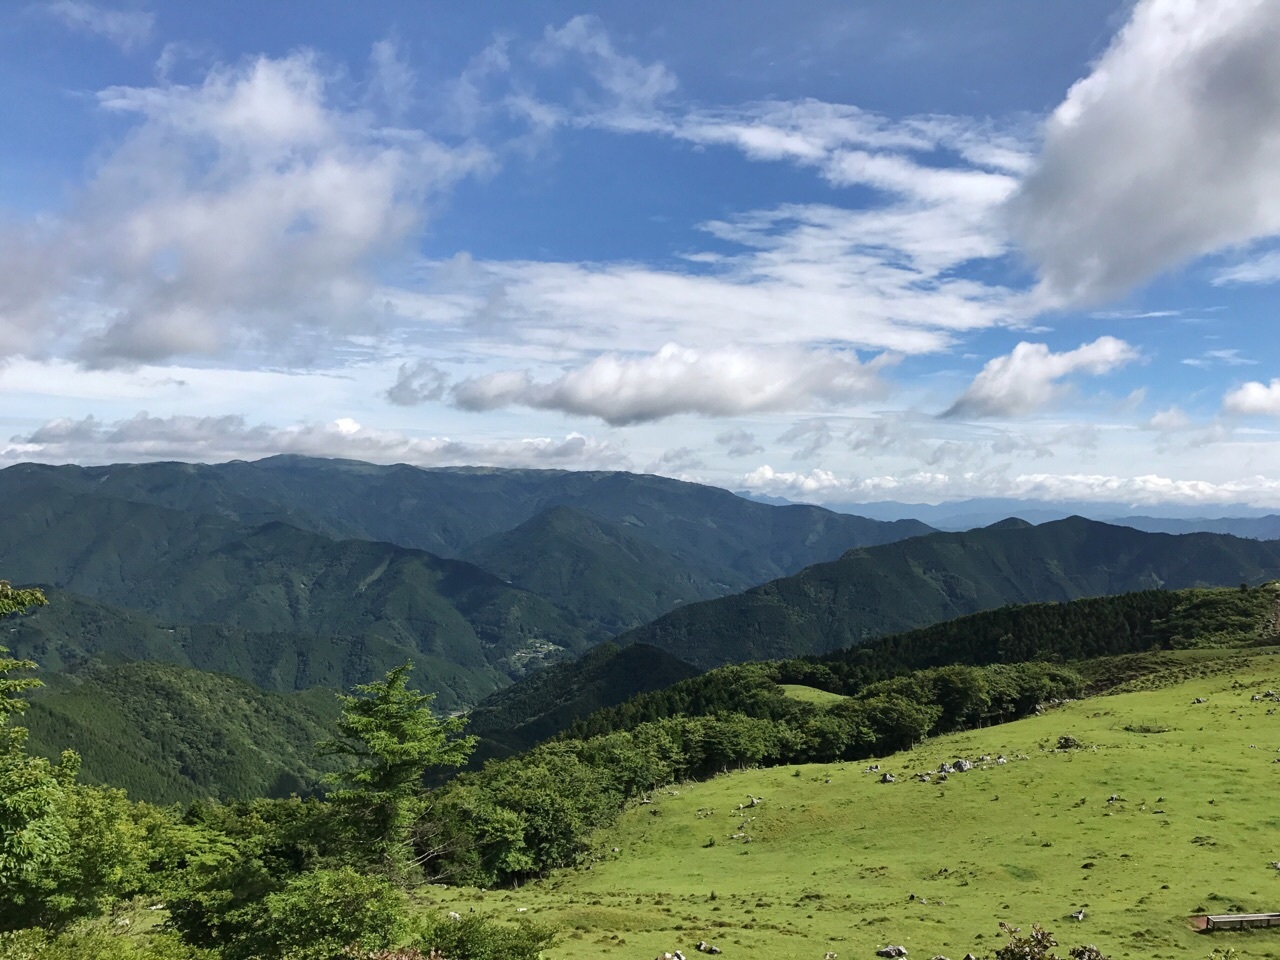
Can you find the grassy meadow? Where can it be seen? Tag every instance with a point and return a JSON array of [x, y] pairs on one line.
[[830, 859]]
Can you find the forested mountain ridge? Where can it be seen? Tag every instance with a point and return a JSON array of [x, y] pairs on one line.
[[593, 569], [167, 733], [1077, 632], [874, 591], [469, 630], [447, 510]]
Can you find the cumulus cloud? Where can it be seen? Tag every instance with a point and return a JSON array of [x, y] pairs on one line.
[[127, 29], [739, 443], [1168, 150], [1254, 398], [215, 438], [417, 382], [1028, 378], [242, 211], [676, 380]]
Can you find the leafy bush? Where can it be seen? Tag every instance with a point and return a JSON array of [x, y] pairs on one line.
[[476, 938], [96, 943], [250, 915], [1039, 944]]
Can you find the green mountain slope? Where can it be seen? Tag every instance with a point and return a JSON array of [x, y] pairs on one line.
[[1076, 632], [168, 734], [594, 570], [544, 703], [445, 511], [469, 631], [74, 631], [875, 591]]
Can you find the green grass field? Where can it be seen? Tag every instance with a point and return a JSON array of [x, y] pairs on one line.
[[798, 691], [833, 860]]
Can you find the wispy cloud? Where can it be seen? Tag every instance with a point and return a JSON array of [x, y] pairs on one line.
[[127, 29], [1262, 269], [214, 438], [924, 486], [1224, 358]]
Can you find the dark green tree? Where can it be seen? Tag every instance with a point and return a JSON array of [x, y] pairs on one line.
[[392, 738]]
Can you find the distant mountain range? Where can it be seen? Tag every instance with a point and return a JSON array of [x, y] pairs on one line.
[[1239, 520], [240, 591], [293, 572]]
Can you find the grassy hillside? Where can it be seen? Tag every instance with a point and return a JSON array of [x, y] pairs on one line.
[[875, 591], [469, 631], [594, 570], [831, 859], [167, 733]]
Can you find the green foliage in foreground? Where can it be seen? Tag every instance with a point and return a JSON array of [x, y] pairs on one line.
[[393, 740]]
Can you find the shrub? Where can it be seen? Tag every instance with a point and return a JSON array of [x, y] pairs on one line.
[[477, 938]]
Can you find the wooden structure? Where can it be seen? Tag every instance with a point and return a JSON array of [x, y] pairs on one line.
[[1236, 921]]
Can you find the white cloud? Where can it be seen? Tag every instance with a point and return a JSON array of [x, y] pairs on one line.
[[1168, 150], [739, 443], [827, 486], [417, 382], [816, 434], [676, 380], [391, 79], [678, 463], [1169, 419], [632, 89], [244, 212], [1254, 398], [1262, 269], [209, 439], [1224, 357], [885, 278], [127, 29], [1028, 378]]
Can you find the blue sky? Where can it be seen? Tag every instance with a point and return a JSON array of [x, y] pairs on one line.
[[835, 252]]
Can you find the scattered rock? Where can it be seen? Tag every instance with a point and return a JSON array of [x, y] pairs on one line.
[[1068, 742]]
